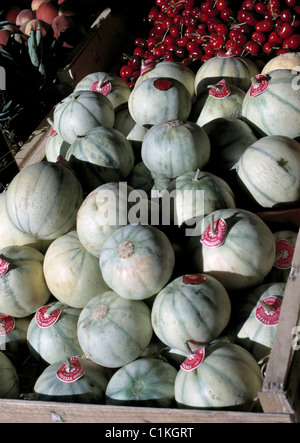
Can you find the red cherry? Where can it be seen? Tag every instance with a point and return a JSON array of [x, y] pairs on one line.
[[286, 30], [126, 71], [221, 29], [286, 15], [217, 42], [237, 36], [293, 42], [189, 3], [260, 7], [152, 13], [174, 31], [248, 5], [290, 3], [267, 48], [221, 4], [258, 37], [196, 54], [226, 14], [274, 38], [252, 47], [139, 51], [264, 25], [282, 51]]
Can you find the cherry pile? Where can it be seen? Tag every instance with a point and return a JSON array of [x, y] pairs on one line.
[[193, 31]]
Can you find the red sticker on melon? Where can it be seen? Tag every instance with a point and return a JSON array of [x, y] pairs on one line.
[[227, 54], [7, 324], [194, 360], [193, 279], [103, 88], [68, 373], [53, 132], [259, 85], [268, 311], [3, 266], [163, 84], [284, 252], [219, 90], [214, 238], [147, 65], [46, 319]]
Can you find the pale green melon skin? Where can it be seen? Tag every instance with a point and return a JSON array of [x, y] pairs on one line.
[[90, 388], [9, 379], [120, 90], [174, 103], [190, 312], [23, 288], [42, 200], [145, 382], [270, 170], [81, 111], [276, 274], [228, 107], [71, 272], [54, 343], [216, 194], [254, 336], [174, 147], [235, 70], [56, 146], [115, 336], [277, 110], [143, 273], [15, 342], [228, 378], [246, 256], [93, 225]]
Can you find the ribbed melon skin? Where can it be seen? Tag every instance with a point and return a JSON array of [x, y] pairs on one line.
[[235, 70], [253, 335], [9, 380], [23, 288], [143, 382], [216, 194], [229, 377], [247, 254], [42, 200], [54, 343], [174, 70], [172, 148], [90, 388], [270, 170], [71, 272], [146, 271], [174, 103], [277, 110], [55, 147], [184, 312], [212, 108], [81, 111], [114, 331], [120, 90], [104, 152]]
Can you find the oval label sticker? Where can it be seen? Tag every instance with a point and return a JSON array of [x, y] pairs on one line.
[[45, 319], [268, 311], [259, 85], [3, 266], [284, 252], [103, 88], [220, 90], [193, 361], [7, 324], [193, 279], [68, 373], [216, 237]]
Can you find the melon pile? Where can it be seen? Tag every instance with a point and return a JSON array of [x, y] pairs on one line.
[[134, 254]]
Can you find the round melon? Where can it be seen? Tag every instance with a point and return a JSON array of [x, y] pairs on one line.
[[102, 212], [239, 251], [81, 111], [43, 199], [237, 71], [269, 169], [114, 331], [175, 147], [100, 156], [173, 97], [11, 236], [53, 342], [13, 336], [71, 272], [89, 388], [137, 261], [275, 110], [23, 288], [110, 85], [258, 315], [210, 107], [144, 382], [228, 378], [171, 69], [9, 379], [288, 60], [193, 308], [196, 194]]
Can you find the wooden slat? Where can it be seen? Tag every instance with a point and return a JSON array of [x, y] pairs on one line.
[[274, 387], [27, 411]]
